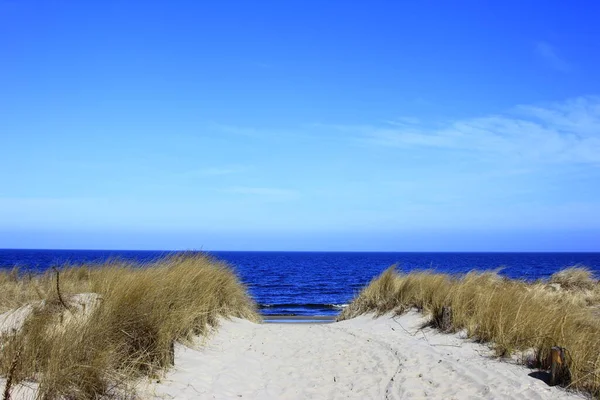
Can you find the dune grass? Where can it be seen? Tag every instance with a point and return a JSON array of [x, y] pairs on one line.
[[575, 278], [127, 333], [513, 316]]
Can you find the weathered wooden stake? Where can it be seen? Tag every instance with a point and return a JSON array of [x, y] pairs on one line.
[[559, 370], [446, 321], [172, 354]]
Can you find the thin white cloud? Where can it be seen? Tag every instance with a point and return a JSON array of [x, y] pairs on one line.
[[264, 192], [219, 171], [403, 121], [252, 133], [266, 134], [550, 56], [567, 132]]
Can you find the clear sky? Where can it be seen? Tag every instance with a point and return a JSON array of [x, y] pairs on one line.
[[300, 125]]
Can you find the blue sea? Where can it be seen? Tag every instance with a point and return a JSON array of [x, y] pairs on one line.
[[320, 283]]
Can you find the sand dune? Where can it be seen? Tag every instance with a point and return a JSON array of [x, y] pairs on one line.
[[362, 358]]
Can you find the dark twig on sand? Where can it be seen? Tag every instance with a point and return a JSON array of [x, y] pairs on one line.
[[60, 298], [11, 375]]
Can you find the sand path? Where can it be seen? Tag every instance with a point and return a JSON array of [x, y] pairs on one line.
[[363, 358]]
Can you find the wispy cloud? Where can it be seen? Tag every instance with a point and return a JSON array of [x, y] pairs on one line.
[[567, 132], [266, 134], [551, 57], [218, 170], [253, 133], [264, 192], [403, 121]]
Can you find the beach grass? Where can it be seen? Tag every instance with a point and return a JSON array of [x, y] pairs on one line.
[[514, 316], [127, 328]]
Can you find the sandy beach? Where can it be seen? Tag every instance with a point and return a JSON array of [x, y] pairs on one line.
[[117, 343], [362, 358]]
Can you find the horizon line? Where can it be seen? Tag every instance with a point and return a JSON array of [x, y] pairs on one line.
[[307, 251]]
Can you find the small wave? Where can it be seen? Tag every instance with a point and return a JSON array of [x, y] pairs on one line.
[[316, 306], [339, 306]]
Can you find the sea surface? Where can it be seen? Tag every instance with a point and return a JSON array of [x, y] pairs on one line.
[[320, 283]]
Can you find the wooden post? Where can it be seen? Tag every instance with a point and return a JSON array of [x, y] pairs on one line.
[[446, 322], [172, 353], [559, 370]]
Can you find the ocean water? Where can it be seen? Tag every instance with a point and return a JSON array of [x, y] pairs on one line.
[[321, 283]]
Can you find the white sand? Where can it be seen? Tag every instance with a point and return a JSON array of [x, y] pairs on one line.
[[80, 307], [363, 358], [23, 391], [13, 320]]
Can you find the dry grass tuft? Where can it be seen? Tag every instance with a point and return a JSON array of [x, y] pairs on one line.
[[128, 333], [575, 278], [514, 316]]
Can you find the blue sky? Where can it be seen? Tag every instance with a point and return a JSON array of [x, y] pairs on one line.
[[398, 126]]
